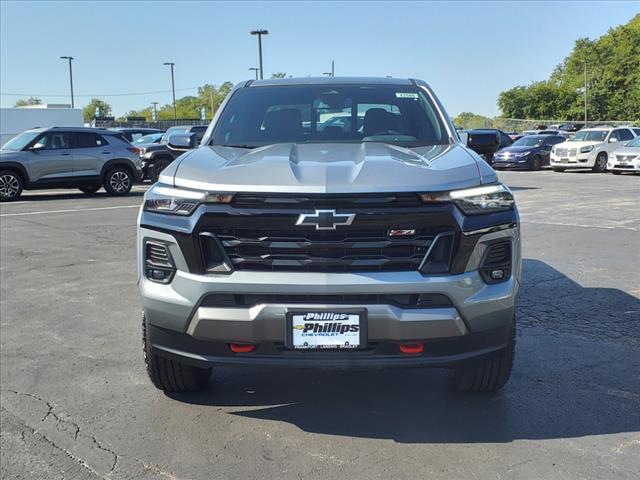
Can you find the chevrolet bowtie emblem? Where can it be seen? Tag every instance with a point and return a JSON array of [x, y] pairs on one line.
[[326, 219]]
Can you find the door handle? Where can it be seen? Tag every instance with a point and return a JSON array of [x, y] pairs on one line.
[[65, 154], [106, 153]]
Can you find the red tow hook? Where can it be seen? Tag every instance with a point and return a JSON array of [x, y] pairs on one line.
[[241, 347], [412, 347]]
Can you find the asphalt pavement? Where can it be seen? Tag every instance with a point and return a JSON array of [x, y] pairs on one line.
[[76, 402]]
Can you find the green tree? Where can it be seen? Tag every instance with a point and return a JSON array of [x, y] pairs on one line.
[[279, 75], [89, 112], [29, 101], [471, 120], [613, 81]]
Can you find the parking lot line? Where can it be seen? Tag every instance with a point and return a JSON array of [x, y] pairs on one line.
[[42, 212]]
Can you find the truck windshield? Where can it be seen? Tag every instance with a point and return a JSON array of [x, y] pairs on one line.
[[396, 114], [18, 143]]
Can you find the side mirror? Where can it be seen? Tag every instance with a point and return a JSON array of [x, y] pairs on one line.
[[35, 148], [182, 141], [613, 139]]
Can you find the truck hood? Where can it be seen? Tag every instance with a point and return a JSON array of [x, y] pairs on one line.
[[328, 168], [578, 145]]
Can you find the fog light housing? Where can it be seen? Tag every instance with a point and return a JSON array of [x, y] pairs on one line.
[[496, 263], [158, 264]]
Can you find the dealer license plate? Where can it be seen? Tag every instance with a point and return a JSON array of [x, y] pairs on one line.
[[326, 329]]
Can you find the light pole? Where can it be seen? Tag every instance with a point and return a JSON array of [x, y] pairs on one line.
[[585, 94], [173, 88], [70, 77], [259, 33], [255, 69], [333, 69]]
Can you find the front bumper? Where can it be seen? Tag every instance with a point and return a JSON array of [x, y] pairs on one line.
[[580, 160], [476, 323], [628, 166], [512, 163]]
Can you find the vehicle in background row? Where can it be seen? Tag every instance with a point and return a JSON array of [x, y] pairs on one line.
[[148, 139], [487, 141], [590, 148], [281, 243], [157, 157], [571, 127], [528, 153], [134, 133], [626, 158], [68, 157]]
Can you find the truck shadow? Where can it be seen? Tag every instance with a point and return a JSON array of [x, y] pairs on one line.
[[564, 385]]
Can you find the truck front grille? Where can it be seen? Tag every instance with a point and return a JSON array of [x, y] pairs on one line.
[[318, 251]]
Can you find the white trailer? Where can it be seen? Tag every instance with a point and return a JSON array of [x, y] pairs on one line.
[[16, 120]]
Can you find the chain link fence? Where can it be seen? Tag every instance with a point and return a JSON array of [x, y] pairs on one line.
[[519, 124], [160, 124]]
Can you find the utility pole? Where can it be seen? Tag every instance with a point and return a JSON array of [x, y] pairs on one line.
[[70, 77], [173, 88], [333, 69], [585, 94], [259, 33], [255, 69]]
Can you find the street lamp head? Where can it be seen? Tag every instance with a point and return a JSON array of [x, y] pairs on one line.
[[259, 32], [66, 58], [169, 63]]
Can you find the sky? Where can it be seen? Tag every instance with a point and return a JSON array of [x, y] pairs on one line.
[[467, 51]]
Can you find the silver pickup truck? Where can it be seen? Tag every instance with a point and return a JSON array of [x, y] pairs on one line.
[[331, 223]]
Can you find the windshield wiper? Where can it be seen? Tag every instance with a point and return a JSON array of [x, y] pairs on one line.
[[240, 146]]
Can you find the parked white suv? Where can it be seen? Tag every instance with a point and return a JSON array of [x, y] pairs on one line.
[[626, 158], [590, 148]]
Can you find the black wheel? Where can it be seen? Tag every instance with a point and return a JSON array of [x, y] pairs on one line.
[[536, 163], [616, 172], [601, 163], [489, 374], [170, 375], [11, 185], [90, 190], [118, 181], [557, 169], [156, 168]]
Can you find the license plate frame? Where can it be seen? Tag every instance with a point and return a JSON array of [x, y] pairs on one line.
[[362, 323]]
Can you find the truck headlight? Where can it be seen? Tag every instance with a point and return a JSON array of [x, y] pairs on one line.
[[176, 201], [586, 149], [475, 201], [522, 154]]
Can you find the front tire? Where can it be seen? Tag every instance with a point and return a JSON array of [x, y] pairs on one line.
[[156, 168], [11, 186], [169, 375], [536, 163], [489, 374], [601, 163], [118, 181]]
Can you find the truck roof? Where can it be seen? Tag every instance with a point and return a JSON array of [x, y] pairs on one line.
[[330, 81]]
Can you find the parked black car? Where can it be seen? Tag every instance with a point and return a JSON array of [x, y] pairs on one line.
[[487, 141], [134, 133], [528, 153], [156, 157]]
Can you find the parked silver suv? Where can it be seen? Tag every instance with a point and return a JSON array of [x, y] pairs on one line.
[[65, 157], [290, 239]]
